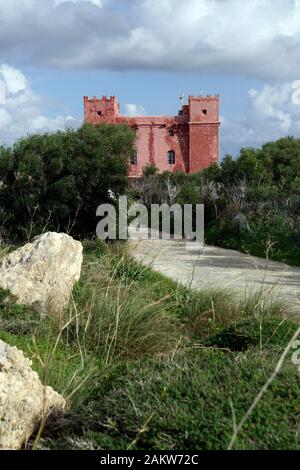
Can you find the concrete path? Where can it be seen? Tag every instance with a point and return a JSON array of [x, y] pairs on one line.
[[212, 267]]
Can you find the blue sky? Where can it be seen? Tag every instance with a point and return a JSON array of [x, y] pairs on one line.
[[157, 92], [147, 53]]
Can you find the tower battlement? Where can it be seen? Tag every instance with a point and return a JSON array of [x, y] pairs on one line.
[[206, 97], [103, 98], [204, 109], [97, 110]]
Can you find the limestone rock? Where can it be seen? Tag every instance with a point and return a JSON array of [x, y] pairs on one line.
[[43, 272], [24, 400]]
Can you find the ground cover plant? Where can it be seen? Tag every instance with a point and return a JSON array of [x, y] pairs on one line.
[[146, 363]]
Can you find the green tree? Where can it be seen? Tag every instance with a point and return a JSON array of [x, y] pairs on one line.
[[56, 181], [284, 155]]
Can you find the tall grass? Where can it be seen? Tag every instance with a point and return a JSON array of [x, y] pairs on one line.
[[121, 312], [119, 319]]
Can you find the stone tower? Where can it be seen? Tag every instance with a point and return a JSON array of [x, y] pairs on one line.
[[204, 126], [188, 142]]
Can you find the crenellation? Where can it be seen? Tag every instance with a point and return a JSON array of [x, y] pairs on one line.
[[193, 135]]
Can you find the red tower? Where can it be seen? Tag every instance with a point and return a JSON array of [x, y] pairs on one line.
[[188, 142], [100, 110], [204, 132]]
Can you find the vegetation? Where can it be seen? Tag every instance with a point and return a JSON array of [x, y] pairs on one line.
[[252, 203], [149, 364], [56, 181], [144, 362]]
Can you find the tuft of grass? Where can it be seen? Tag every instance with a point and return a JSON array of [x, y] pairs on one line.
[[243, 334], [14, 318], [60, 367], [117, 319], [214, 311]]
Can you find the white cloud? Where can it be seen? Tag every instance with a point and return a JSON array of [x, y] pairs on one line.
[[5, 119], [271, 114], [2, 92], [98, 3], [22, 110], [259, 38], [133, 110], [273, 105], [14, 79]]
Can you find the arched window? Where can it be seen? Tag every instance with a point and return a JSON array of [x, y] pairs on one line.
[[171, 157]]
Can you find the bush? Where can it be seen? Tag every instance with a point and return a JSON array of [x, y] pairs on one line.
[[56, 181]]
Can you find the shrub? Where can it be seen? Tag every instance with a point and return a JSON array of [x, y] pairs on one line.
[[56, 181]]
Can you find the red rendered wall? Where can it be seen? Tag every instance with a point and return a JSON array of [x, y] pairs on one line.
[[195, 140], [204, 146]]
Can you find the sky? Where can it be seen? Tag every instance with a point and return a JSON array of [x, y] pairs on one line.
[[149, 52]]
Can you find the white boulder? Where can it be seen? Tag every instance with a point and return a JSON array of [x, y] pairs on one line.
[[24, 400], [43, 272]]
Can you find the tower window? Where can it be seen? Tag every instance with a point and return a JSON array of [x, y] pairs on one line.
[[99, 113], [204, 112], [171, 157], [133, 159], [171, 132]]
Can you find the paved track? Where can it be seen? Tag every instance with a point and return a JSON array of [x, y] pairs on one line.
[[210, 266]]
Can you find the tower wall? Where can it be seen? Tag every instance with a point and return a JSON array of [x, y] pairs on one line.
[[193, 135], [204, 132], [97, 110]]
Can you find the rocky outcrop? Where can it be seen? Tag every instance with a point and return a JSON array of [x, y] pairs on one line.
[[43, 272], [24, 400]]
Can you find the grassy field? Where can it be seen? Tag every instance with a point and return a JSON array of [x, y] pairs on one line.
[[148, 364]]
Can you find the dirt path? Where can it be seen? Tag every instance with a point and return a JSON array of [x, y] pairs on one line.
[[215, 267]]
